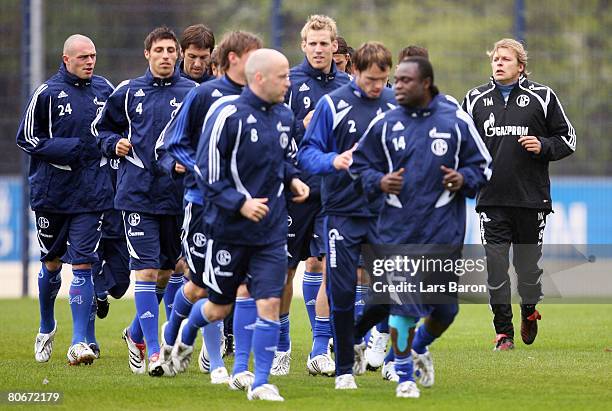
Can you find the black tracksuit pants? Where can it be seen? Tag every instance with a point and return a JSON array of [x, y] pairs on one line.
[[523, 228]]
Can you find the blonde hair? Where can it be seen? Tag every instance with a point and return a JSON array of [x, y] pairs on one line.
[[517, 47], [320, 22]]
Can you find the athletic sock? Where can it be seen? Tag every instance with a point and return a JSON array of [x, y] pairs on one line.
[[383, 326], [245, 315], [361, 291], [284, 340], [422, 340], [390, 356], [180, 310], [136, 333], [147, 311], [175, 282], [322, 334], [404, 368], [91, 325], [49, 283], [81, 297], [265, 339], [196, 320], [310, 289], [213, 334]]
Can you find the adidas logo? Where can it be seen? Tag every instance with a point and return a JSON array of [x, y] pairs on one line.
[[342, 104], [312, 302], [475, 92], [251, 119], [216, 93], [398, 126], [139, 93], [271, 348], [304, 87], [62, 94], [148, 314]]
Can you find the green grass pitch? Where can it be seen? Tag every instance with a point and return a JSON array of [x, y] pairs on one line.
[[568, 367]]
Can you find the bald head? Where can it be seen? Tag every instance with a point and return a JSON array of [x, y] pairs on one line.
[[73, 42], [263, 60], [267, 73], [79, 56]]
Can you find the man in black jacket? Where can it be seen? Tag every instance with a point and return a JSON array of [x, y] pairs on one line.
[[524, 127]]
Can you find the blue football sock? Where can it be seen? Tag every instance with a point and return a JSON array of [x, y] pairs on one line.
[[404, 368], [284, 341], [81, 298], [265, 339], [390, 355], [180, 310], [383, 326], [361, 291], [196, 320], [213, 334], [91, 326], [175, 282], [49, 283], [136, 333], [147, 310], [310, 289], [422, 340], [245, 315], [322, 334]]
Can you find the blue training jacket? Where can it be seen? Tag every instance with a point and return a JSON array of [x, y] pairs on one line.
[[308, 85], [421, 141], [340, 119], [139, 110], [183, 133], [246, 151], [66, 168]]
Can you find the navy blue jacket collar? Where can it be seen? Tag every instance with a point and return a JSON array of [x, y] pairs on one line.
[[156, 81], [522, 79], [319, 74], [253, 100], [71, 78], [359, 92], [427, 111], [230, 81]]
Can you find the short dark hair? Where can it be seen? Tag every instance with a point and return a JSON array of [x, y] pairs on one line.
[[200, 36], [413, 51], [425, 70], [371, 53], [239, 42], [342, 46], [160, 33]]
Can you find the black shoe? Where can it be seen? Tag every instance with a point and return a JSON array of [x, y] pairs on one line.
[[102, 307], [529, 327], [96, 350]]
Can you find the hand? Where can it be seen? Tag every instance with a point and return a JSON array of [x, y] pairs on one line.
[[531, 144], [453, 180], [123, 147], [300, 190], [307, 119], [344, 160], [392, 183], [255, 209], [179, 168]]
